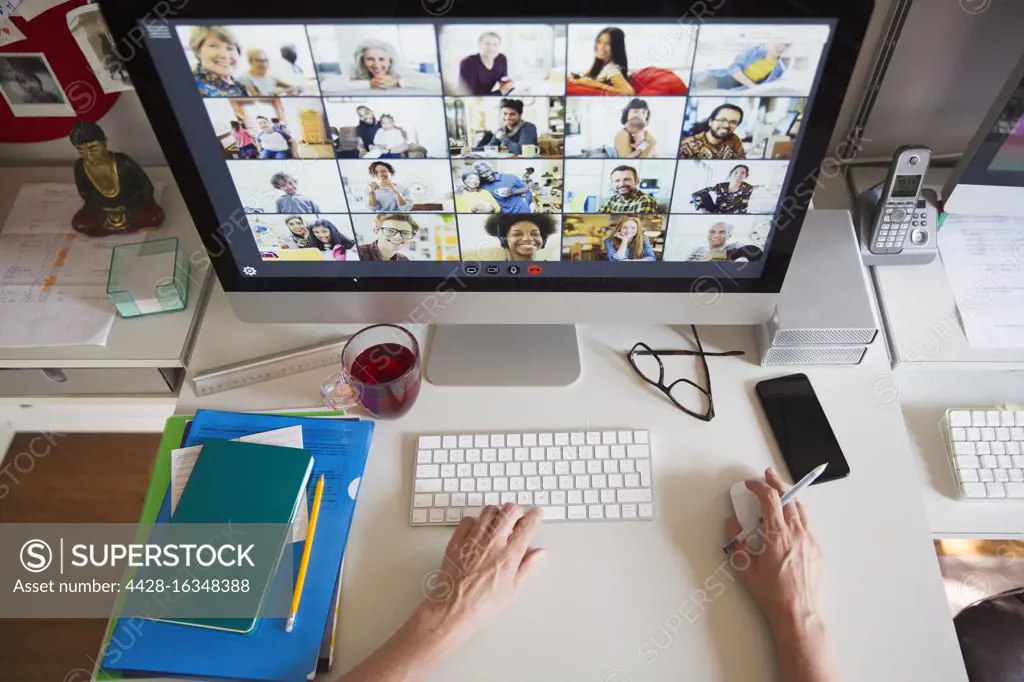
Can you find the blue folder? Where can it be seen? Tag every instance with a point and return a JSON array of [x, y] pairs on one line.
[[269, 654]]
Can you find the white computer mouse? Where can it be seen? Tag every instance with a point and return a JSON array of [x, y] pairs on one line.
[[748, 511]]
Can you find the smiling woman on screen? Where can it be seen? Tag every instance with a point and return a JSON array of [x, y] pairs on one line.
[[375, 66]]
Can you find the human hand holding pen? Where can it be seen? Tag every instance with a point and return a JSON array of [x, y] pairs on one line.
[[785, 581]]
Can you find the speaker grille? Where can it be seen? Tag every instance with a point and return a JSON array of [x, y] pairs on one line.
[[823, 337], [814, 356]]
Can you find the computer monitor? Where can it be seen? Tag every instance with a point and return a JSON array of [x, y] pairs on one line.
[[989, 178], [529, 163]]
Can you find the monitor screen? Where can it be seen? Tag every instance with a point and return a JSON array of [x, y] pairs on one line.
[[1010, 126], [528, 148]]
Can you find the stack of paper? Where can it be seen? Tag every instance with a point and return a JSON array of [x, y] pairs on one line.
[[339, 448]]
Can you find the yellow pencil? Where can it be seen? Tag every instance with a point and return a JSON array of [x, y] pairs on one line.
[[306, 551]]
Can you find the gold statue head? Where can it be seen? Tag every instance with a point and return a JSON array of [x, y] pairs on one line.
[[90, 141]]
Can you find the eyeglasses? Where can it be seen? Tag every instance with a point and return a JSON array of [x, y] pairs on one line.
[[725, 121], [391, 232], [647, 362]]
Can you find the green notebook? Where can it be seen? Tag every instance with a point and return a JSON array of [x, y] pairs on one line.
[[245, 483]]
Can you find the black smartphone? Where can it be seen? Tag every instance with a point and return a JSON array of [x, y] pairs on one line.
[[801, 428]]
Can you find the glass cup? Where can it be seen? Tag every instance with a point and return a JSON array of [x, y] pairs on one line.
[[380, 370]]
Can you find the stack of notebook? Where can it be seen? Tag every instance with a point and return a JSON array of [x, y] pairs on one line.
[[267, 476]]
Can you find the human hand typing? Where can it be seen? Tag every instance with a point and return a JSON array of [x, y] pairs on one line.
[[484, 565]]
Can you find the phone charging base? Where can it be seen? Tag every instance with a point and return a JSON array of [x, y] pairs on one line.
[[912, 254]]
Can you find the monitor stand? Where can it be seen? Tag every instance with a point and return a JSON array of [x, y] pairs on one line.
[[503, 355]]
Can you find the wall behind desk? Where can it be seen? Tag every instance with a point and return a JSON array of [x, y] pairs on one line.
[[127, 129]]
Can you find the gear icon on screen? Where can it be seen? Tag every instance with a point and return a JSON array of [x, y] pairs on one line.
[[249, 270]]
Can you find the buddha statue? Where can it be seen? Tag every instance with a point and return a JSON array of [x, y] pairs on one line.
[[118, 194]]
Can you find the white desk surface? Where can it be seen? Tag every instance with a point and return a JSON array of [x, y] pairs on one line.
[[150, 341], [922, 322], [610, 594]]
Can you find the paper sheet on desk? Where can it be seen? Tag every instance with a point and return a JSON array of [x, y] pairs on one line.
[[984, 261], [183, 460], [48, 207], [32, 316]]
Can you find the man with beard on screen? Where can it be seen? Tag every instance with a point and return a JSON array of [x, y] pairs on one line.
[[715, 138]]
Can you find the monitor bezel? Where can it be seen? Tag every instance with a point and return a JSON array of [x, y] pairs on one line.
[[851, 19]]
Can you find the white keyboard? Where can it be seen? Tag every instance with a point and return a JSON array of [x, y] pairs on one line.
[[571, 476], [986, 451]]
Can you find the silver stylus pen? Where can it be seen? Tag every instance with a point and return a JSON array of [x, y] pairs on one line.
[[786, 499]]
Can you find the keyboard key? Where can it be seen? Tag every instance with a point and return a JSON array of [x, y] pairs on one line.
[[467, 485], [1017, 433], [452, 515], [969, 475], [602, 452], [1018, 461], [483, 485], [977, 417], [536, 454], [428, 485], [544, 468], [975, 490], [496, 469], [577, 511], [595, 511], [570, 452], [429, 442], [492, 499], [1018, 417], [562, 468], [1004, 461], [611, 466], [502, 484], [591, 496], [480, 469], [1006, 419], [995, 490], [437, 516], [983, 448], [529, 440], [422, 500], [554, 513], [553, 453], [627, 466], [428, 471], [507, 498], [1002, 433], [424, 456], [608, 437], [1001, 475], [448, 442], [578, 467], [463, 470], [419, 515], [475, 499], [625, 437], [504, 454], [644, 469], [961, 448], [973, 433], [481, 441], [557, 497], [524, 498], [587, 452], [447, 471], [533, 483], [1015, 490], [489, 455], [593, 438], [632, 480], [615, 481], [545, 439], [607, 496], [441, 499], [541, 497], [998, 448], [577, 438], [992, 418], [646, 511], [624, 495], [581, 482], [574, 496], [629, 511], [451, 485], [599, 481], [561, 438], [514, 469], [988, 434], [465, 441], [1013, 448], [498, 440], [959, 433], [459, 500], [1016, 475], [521, 454], [456, 456], [611, 511], [514, 440], [639, 451], [619, 451], [959, 418], [594, 466], [986, 475], [988, 462], [473, 455], [640, 437]]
